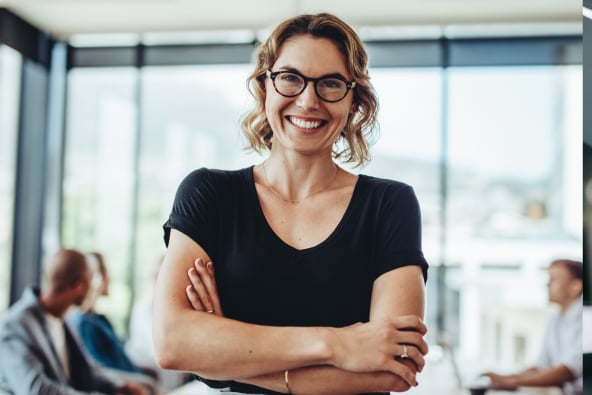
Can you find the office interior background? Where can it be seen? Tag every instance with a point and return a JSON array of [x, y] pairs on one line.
[[106, 106]]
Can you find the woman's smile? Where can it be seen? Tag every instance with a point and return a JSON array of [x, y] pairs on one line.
[[306, 123]]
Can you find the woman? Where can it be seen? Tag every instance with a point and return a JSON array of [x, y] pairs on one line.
[[319, 274]]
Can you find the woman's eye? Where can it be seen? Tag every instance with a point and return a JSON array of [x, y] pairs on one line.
[[332, 84], [290, 78]]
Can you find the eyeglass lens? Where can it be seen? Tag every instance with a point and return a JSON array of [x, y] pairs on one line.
[[292, 84]]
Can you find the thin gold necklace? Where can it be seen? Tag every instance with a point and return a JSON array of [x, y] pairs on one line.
[[294, 201]]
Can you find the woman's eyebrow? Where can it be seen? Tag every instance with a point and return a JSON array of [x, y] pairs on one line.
[[330, 75]]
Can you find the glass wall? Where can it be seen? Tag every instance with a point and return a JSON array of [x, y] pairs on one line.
[[409, 145], [99, 174], [190, 119], [408, 150], [10, 72], [514, 182]]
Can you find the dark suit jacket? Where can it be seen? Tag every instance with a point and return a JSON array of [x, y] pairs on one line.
[[29, 363]]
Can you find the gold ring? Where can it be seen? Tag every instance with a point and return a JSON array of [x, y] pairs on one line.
[[404, 355]]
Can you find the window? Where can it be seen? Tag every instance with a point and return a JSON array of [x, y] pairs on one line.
[[190, 119], [408, 150], [514, 169], [99, 175], [10, 72]]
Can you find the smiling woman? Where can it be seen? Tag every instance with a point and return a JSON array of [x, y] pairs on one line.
[[295, 274]]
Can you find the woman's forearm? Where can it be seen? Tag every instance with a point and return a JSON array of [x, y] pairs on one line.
[[329, 380], [219, 348]]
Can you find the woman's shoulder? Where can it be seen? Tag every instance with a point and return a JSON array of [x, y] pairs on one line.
[[209, 178], [206, 173], [383, 185]]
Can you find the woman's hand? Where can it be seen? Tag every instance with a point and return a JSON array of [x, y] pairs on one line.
[[202, 291], [378, 345]]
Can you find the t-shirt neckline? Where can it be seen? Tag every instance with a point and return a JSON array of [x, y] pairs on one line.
[[321, 244]]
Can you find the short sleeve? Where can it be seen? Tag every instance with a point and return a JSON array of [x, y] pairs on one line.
[[399, 231], [195, 211], [543, 359], [562, 343], [572, 357]]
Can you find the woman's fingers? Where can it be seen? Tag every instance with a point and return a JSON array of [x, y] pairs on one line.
[[412, 339], [411, 323], [394, 345], [203, 282], [213, 289], [197, 277], [411, 353], [194, 298], [402, 371]]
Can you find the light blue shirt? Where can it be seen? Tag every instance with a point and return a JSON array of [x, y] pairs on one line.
[[562, 345]]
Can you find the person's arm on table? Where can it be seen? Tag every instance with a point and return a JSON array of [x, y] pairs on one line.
[[388, 288], [549, 377]]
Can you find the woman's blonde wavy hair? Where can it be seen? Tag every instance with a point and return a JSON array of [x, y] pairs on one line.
[[362, 127]]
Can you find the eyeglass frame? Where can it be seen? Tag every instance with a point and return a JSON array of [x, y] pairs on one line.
[[273, 74]]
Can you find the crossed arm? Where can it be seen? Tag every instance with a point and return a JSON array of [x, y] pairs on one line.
[[354, 359]]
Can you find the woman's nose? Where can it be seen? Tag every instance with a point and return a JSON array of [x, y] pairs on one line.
[[308, 99]]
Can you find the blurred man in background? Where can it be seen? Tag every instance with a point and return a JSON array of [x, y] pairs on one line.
[[560, 359], [38, 353]]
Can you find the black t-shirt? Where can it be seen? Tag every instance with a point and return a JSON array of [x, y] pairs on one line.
[[263, 280]]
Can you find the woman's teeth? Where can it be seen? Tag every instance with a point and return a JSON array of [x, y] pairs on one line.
[[305, 124]]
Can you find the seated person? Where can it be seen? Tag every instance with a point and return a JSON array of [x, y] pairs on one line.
[[95, 330], [560, 358], [38, 353]]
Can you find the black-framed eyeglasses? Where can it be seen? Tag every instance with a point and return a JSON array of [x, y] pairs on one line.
[[290, 84]]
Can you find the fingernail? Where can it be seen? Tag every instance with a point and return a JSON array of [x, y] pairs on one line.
[[210, 266], [200, 263], [192, 270]]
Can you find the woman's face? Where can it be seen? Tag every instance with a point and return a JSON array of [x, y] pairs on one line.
[[305, 123]]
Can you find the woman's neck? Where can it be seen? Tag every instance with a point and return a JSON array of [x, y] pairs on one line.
[[296, 180]]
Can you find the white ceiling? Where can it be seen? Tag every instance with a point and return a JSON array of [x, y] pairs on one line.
[[64, 18]]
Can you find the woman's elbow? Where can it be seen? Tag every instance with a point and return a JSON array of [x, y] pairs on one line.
[[164, 352], [168, 348]]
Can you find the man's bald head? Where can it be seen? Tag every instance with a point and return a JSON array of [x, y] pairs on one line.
[[63, 270]]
